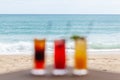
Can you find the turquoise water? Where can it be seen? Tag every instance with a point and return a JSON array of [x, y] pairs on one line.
[[18, 31]]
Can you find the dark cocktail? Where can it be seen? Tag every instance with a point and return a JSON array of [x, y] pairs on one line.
[[39, 57]]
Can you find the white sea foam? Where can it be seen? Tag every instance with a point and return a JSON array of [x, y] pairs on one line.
[[27, 48], [16, 48]]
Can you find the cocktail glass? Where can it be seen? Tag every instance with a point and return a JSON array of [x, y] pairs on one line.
[[59, 57], [80, 57], [39, 57]]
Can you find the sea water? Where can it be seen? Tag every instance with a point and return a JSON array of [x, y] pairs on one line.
[[17, 31]]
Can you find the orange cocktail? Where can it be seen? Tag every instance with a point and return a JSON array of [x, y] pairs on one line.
[[39, 56], [80, 57]]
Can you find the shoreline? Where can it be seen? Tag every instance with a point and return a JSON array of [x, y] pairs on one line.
[[71, 52]]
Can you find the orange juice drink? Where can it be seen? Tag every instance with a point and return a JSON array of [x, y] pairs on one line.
[[80, 57], [39, 57]]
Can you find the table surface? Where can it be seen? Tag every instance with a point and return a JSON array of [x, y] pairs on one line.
[[92, 75]]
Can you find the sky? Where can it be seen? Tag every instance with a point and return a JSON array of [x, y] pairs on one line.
[[59, 6]]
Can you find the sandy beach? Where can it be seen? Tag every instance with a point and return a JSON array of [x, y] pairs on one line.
[[102, 62]]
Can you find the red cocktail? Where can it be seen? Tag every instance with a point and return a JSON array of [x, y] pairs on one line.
[[59, 57]]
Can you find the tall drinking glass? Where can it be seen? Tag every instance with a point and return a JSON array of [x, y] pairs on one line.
[[39, 57], [59, 58], [80, 57]]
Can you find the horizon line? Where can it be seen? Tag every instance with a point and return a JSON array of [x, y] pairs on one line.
[[53, 14]]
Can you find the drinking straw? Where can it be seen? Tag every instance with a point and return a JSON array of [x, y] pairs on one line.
[[80, 56]]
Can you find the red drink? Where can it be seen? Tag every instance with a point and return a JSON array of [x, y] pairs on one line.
[[59, 57]]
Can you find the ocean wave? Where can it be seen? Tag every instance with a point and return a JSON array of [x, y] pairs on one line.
[[16, 48], [23, 47], [104, 46]]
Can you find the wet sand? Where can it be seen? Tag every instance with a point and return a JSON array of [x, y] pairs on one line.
[[102, 62]]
